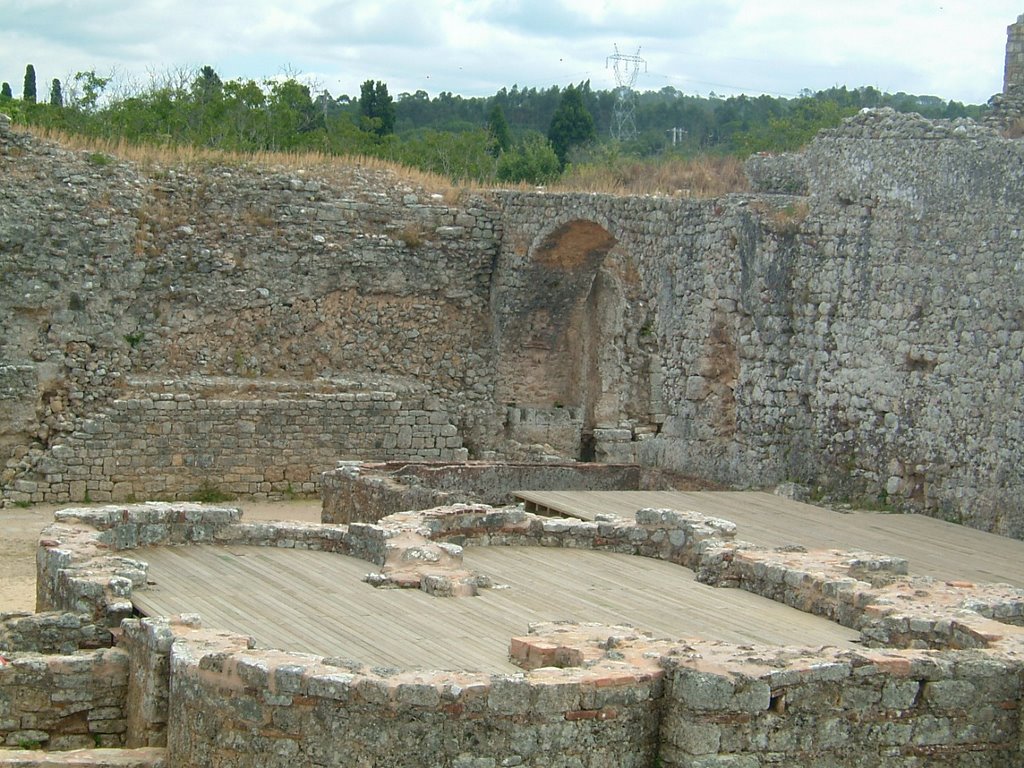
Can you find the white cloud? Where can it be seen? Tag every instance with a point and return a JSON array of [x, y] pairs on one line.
[[953, 49]]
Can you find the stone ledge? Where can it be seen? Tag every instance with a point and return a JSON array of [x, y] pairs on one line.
[[147, 757]]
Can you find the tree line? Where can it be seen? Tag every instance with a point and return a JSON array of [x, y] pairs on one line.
[[518, 134]]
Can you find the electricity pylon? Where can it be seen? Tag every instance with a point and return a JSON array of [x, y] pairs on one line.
[[627, 69]]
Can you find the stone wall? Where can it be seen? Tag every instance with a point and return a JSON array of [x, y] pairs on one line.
[[942, 685], [276, 709], [366, 492], [61, 633], [914, 317], [178, 441], [1013, 73], [842, 709], [862, 337], [64, 702], [257, 278]]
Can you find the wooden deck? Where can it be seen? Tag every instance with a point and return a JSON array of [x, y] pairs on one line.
[[932, 547], [315, 602]]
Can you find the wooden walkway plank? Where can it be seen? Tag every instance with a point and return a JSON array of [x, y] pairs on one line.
[[933, 547], [316, 602]]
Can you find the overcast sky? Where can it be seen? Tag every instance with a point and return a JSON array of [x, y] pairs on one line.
[[950, 48]]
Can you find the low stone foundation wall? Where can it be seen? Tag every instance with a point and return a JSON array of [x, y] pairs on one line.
[[766, 707], [940, 680], [78, 567], [367, 491], [51, 633], [265, 708]]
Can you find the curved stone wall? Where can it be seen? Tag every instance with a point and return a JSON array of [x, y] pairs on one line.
[[943, 682]]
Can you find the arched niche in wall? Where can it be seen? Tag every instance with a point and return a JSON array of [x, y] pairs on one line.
[[562, 336]]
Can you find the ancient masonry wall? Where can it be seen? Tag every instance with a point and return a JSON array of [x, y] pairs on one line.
[[913, 262], [182, 443], [365, 492], [1013, 73], [855, 325], [863, 337], [64, 702], [114, 275], [939, 678]]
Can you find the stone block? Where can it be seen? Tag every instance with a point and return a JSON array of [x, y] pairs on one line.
[[706, 692], [509, 696], [693, 737]]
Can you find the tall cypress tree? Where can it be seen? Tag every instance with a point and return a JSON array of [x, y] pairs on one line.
[[571, 124], [56, 95], [377, 107], [497, 127], [29, 93]]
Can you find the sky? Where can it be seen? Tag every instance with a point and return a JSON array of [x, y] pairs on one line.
[[954, 49]]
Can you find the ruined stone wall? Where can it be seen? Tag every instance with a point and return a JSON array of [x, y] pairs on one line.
[[1013, 72], [248, 275], [366, 492], [288, 710], [60, 633], [269, 442], [865, 337], [910, 328], [843, 710], [588, 695], [64, 702], [862, 337]]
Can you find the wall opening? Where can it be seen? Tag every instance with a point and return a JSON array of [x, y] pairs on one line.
[[555, 341]]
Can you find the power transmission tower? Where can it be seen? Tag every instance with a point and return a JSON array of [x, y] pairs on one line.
[[627, 68]]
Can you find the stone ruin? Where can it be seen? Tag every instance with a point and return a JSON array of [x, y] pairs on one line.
[[854, 324], [937, 679]]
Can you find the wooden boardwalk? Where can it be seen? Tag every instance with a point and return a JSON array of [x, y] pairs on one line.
[[315, 602], [932, 547]]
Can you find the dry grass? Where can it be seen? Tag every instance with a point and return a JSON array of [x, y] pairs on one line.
[[179, 156], [706, 176], [698, 177]]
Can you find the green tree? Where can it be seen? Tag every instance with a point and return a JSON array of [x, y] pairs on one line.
[[56, 95], [571, 125], [804, 119], [459, 156], [29, 92], [377, 108], [91, 86], [497, 129], [293, 115], [6, 94], [534, 161], [207, 86], [244, 114], [207, 108]]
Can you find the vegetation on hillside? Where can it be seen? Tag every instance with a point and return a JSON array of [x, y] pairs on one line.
[[519, 135]]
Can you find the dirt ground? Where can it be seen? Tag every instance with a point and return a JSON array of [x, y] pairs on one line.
[[19, 531]]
